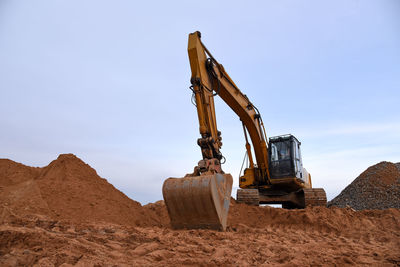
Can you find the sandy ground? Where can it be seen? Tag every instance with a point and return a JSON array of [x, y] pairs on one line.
[[65, 214], [291, 238]]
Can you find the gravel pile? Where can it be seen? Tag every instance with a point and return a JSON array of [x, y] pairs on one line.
[[378, 187]]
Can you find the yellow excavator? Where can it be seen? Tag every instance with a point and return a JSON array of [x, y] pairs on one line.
[[201, 199]]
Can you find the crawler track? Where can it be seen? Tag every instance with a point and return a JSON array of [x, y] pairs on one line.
[[248, 196], [314, 197]]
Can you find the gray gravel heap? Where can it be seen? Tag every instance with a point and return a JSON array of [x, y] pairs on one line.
[[378, 187]]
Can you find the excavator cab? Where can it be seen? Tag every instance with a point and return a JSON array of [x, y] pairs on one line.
[[285, 157]]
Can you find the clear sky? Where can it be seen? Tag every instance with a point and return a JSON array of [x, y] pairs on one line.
[[108, 81]]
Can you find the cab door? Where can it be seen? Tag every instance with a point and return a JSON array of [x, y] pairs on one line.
[[298, 166]]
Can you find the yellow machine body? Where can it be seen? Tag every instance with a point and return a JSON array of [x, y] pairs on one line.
[[201, 199]]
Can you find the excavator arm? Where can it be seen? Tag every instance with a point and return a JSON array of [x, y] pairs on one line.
[[201, 199], [209, 79]]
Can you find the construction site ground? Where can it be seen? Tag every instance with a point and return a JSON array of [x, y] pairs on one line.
[[64, 214]]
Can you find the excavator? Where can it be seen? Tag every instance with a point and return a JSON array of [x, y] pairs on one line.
[[201, 199]]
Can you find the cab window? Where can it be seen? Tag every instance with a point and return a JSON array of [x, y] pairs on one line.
[[280, 151]]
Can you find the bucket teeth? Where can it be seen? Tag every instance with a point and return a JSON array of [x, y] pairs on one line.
[[198, 202]]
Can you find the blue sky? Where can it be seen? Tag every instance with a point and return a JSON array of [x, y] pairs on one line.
[[108, 81]]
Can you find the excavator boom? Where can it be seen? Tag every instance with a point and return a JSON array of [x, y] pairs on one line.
[[201, 199]]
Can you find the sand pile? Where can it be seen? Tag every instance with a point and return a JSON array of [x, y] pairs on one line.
[[66, 189], [378, 187]]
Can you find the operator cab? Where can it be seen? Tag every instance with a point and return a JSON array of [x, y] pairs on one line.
[[285, 157]]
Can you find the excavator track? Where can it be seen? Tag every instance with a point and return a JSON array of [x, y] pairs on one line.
[[248, 196], [314, 197], [301, 199]]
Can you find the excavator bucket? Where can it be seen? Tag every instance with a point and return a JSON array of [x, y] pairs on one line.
[[198, 201]]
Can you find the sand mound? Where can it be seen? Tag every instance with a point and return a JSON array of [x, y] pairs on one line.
[[18, 191], [378, 187], [67, 189]]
